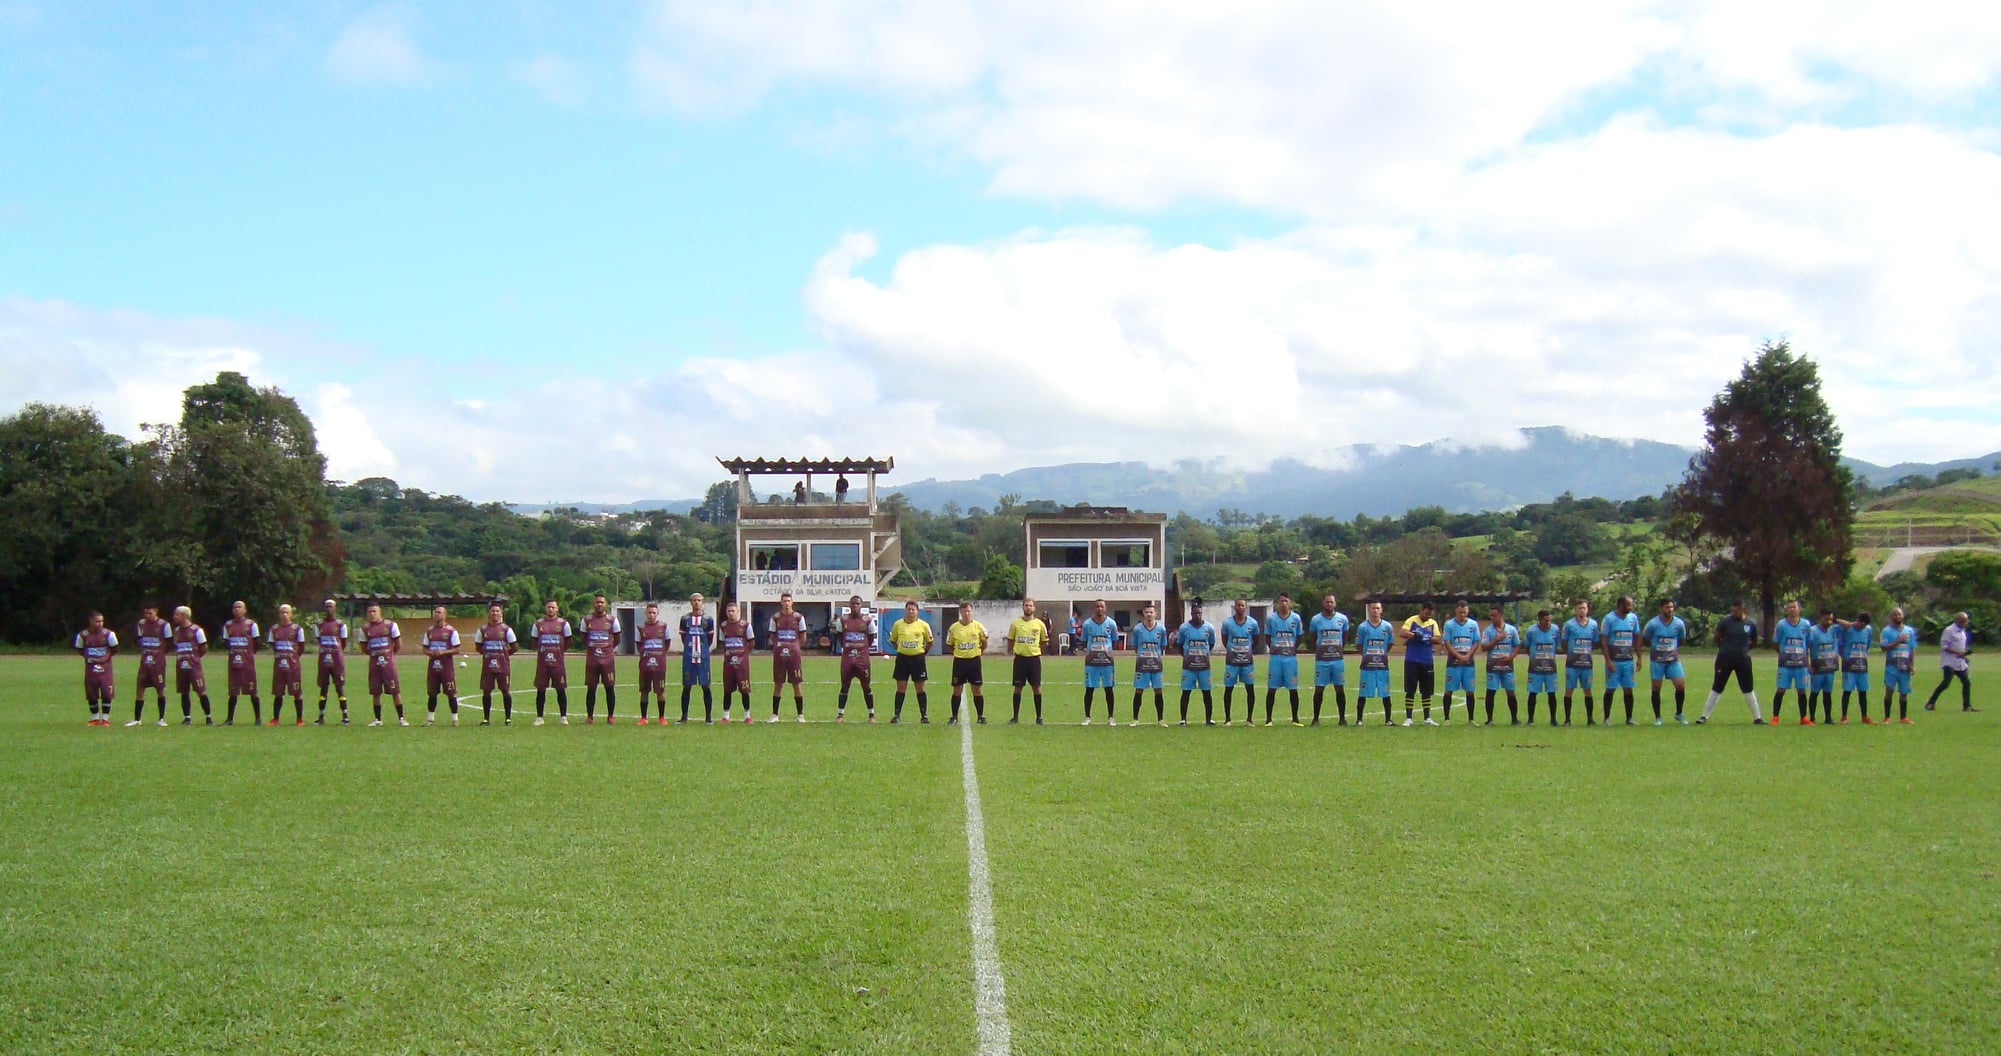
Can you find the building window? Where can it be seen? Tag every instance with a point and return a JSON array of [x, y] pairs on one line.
[[774, 557], [836, 557], [1063, 555], [1123, 554]]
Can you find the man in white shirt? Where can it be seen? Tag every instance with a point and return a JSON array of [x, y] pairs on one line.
[[1952, 650]]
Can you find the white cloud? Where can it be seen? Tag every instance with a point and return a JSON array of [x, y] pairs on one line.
[[380, 47], [353, 448], [554, 78]]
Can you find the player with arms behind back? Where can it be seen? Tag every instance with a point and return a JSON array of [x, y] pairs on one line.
[[1099, 633], [240, 636], [332, 637], [154, 636], [383, 639], [601, 631], [288, 666], [788, 644], [967, 639], [441, 672], [497, 646], [1149, 642], [96, 644], [735, 647], [857, 642]]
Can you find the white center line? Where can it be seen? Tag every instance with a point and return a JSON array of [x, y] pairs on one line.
[[989, 988]]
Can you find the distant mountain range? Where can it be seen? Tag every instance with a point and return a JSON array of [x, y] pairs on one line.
[[1376, 480]]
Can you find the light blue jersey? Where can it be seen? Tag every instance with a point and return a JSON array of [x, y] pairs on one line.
[[1149, 647], [1542, 645], [1900, 644], [1373, 640], [1330, 638], [1794, 639], [1282, 643], [1502, 644], [1664, 640], [1459, 635], [1099, 636], [1239, 640], [1195, 645]]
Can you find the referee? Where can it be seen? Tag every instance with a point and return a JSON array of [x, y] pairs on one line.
[[1735, 637], [911, 638], [968, 639], [1952, 650], [1027, 636]]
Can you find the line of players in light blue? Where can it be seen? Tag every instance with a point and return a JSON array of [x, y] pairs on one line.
[[1810, 656]]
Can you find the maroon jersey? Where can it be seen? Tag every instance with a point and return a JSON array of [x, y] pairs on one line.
[[287, 642], [652, 640], [190, 643], [381, 637], [600, 636], [439, 644], [786, 633], [240, 636], [855, 641], [96, 647], [736, 646], [493, 647], [552, 637], [332, 634], [154, 638]]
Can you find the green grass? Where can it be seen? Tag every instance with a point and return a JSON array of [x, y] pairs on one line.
[[693, 889]]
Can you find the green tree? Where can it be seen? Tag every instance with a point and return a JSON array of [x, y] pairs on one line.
[[1769, 483], [69, 522], [1572, 539], [250, 485], [1274, 578], [1001, 579]]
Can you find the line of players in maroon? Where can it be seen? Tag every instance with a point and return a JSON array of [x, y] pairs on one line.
[[183, 645]]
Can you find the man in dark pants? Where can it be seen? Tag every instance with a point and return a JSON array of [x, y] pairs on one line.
[[1735, 637], [1419, 678], [1952, 650]]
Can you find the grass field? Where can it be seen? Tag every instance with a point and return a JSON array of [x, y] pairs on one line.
[[803, 889]]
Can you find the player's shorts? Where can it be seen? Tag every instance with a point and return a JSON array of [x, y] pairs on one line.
[[551, 674], [1577, 678], [491, 679], [854, 671], [1282, 672], [189, 676], [441, 678], [1103, 676], [910, 668], [695, 674], [1330, 673], [736, 677], [1418, 680], [1823, 682], [1671, 670], [382, 676], [1897, 681], [285, 678], [968, 671], [1732, 665], [242, 676], [600, 671], [1028, 671], [97, 685], [1375, 683], [1458, 678], [786, 670], [1194, 680], [1619, 675], [1793, 677], [153, 675], [1240, 675], [332, 674], [1147, 680], [1500, 681], [1542, 682], [1855, 681]]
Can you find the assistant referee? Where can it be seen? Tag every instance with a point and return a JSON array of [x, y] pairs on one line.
[[911, 638], [1027, 636]]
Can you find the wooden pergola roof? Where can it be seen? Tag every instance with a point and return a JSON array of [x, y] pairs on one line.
[[762, 466]]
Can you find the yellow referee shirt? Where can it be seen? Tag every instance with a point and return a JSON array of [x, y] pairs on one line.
[[968, 640], [910, 637], [1028, 636]]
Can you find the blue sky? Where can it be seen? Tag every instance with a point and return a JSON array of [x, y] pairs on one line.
[[1271, 232]]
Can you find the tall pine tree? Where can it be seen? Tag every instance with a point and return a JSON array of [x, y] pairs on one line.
[[1768, 483]]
